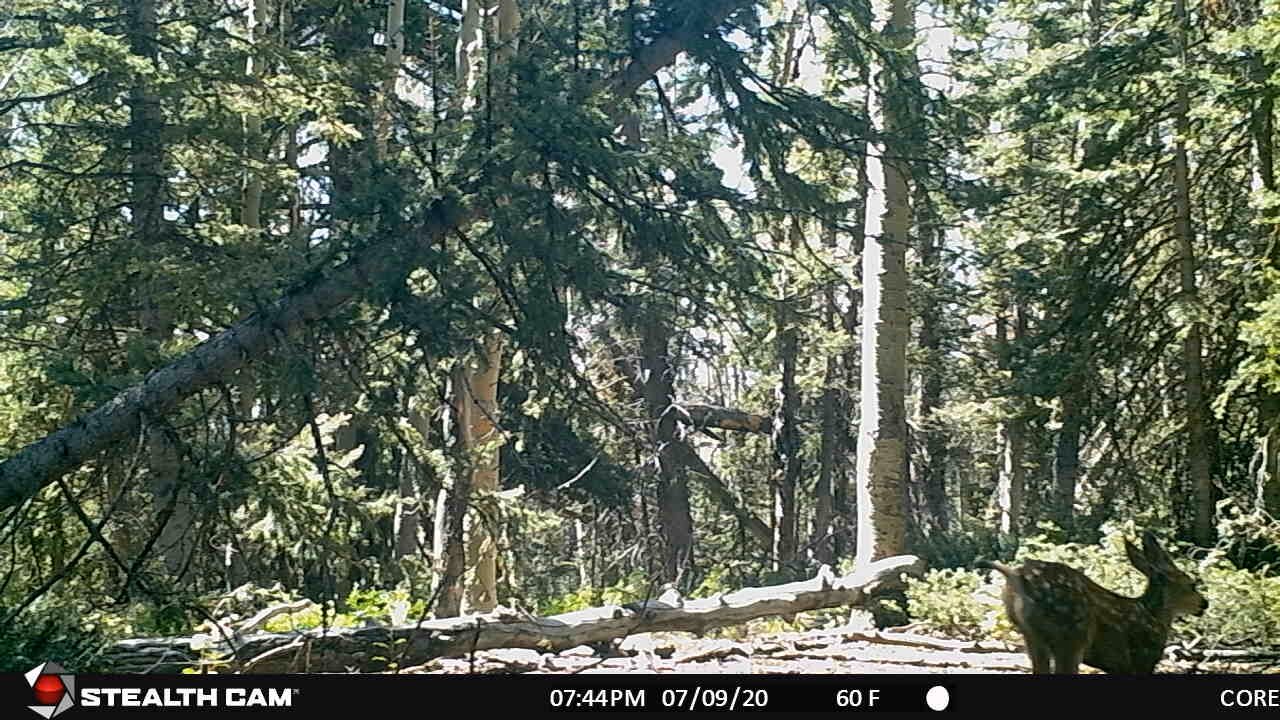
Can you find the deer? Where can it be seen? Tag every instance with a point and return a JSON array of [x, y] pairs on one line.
[[1066, 618]]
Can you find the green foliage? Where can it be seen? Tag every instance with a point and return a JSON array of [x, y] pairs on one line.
[[1250, 539], [51, 631], [361, 607], [632, 588], [1040, 168], [959, 603], [1244, 605], [954, 548]]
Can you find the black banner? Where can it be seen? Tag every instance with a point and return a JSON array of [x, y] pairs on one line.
[[86, 696]]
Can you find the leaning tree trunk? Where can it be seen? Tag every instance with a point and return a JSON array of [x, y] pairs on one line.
[[882, 437], [39, 464]]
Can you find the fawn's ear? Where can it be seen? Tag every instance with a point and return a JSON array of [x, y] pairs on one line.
[[1138, 558], [1151, 548]]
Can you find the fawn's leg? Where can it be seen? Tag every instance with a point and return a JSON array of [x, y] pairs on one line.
[[1067, 661], [1039, 659], [1039, 653]]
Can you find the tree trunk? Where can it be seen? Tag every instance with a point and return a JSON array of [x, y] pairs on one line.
[[1073, 395], [933, 471], [674, 516], [1066, 459], [394, 56], [449, 547], [786, 436], [829, 449], [251, 194], [486, 439], [882, 436], [1264, 133], [1197, 408], [170, 501], [850, 360], [408, 523], [1013, 475]]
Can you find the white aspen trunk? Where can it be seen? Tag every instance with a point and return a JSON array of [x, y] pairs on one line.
[[394, 57], [468, 54], [881, 483]]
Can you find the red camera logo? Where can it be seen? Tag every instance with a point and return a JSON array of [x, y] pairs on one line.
[[54, 689]]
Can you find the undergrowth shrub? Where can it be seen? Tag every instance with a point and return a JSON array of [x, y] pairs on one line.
[[49, 631], [1244, 604]]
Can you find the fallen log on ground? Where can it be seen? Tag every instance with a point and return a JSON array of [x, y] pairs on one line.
[[377, 649]]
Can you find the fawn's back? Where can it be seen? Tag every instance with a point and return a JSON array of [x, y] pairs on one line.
[[1066, 618]]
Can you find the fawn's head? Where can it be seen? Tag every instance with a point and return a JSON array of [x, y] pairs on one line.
[[1172, 591]]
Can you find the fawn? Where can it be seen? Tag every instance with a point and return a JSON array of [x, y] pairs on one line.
[[1066, 618]]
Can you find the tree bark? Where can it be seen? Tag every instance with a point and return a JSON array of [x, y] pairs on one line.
[[483, 528], [882, 436], [713, 416], [830, 447], [933, 472], [449, 546], [675, 518], [1013, 475], [1197, 408], [786, 436], [38, 464]]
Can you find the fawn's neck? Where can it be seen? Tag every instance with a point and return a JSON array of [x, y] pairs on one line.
[[1153, 601]]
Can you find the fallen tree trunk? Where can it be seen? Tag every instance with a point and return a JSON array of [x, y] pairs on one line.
[[378, 649], [724, 418], [119, 419]]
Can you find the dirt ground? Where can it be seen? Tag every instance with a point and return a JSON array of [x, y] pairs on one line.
[[814, 652]]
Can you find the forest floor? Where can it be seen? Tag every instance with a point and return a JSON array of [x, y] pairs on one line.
[[840, 651]]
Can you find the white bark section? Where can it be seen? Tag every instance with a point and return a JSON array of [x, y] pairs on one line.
[[394, 57], [468, 54], [881, 483]]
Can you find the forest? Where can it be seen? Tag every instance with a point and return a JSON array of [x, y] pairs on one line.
[[371, 313]]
